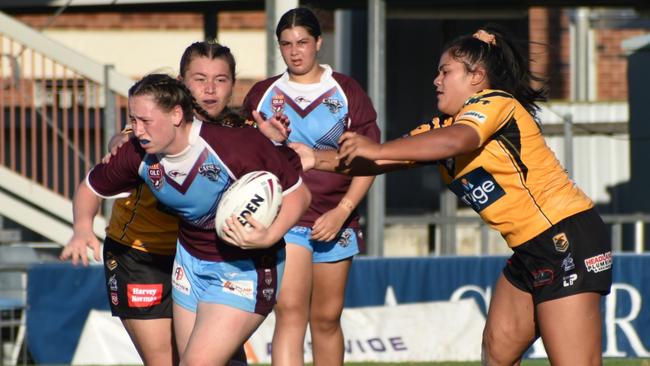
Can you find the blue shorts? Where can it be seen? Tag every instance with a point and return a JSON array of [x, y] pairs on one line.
[[248, 284], [345, 245]]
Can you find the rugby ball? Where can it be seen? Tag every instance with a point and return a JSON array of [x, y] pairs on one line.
[[257, 193]]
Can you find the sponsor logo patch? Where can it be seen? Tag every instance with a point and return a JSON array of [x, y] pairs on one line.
[[561, 242], [144, 295], [599, 263], [179, 280], [478, 189], [569, 280], [542, 277], [239, 288], [475, 116]]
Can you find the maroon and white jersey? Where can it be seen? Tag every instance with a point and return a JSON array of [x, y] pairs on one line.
[[319, 114], [191, 183]]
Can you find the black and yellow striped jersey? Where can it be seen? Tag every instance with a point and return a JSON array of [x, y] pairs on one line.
[[513, 179], [137, 222]]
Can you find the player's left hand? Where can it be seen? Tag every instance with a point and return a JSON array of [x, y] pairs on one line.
[[116, 142], [306, 154], [246, 237], [329, 224], [353, 145]]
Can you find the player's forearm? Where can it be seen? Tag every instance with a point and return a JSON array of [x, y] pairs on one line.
[[358, 189], [85, 206], [294, 205]]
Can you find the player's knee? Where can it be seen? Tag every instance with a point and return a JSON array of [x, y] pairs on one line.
[[290, 309], [324, 323], [497, 351]]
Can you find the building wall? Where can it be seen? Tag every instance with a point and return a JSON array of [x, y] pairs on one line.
[[550, 28]]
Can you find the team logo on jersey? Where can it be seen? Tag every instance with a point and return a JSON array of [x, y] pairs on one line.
[[114, 299], [344, 240], [334, 105], [561, 242], [112, 283], [210, 171], [111, 263], [599, 263], [478, 189], [268, 276], [268, 293], [542, 277], [277, 103], [155, 175]]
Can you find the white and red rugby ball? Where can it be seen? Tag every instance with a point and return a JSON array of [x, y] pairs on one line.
[[258, 193]]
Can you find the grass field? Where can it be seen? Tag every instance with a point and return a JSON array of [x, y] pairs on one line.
[[607, 362]]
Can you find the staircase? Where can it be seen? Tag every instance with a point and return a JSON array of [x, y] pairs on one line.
[[57, 110]]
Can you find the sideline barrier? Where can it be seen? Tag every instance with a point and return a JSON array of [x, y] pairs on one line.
[[60, 297]]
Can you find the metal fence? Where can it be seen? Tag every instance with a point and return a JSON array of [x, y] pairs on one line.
[[53, 106]]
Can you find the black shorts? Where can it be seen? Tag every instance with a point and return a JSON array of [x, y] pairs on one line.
[[138, 283], [571, 257]]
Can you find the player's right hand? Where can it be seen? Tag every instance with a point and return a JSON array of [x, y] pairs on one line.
[[353, 145], [77, 248]]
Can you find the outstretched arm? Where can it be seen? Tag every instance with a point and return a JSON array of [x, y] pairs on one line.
[[433, 145], [85, 207], [328, 160], [358, 155]]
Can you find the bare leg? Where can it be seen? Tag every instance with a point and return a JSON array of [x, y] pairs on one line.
[[571, 329], [219, 331], [292, 309], [154, 340], [328, 295], [510, 326], [183, 324]]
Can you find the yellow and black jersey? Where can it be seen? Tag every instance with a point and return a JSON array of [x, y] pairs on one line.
[[513, 180], [136, 221]]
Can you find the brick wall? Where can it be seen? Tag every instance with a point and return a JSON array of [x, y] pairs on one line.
[[550, 27], [115, 20], [550, 49], [612, 62]]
